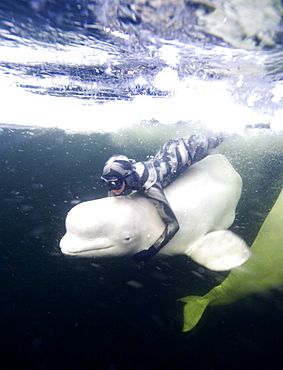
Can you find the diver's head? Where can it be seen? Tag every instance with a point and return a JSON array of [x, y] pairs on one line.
[[115, 171]]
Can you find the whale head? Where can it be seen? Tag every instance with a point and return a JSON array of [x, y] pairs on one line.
[[111, 226]]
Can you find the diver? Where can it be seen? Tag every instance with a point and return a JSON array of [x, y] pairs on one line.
[[150, 178]]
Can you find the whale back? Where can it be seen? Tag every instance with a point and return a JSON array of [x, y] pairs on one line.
[[204, 199]]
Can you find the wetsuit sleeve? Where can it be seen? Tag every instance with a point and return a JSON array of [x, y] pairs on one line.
[[168, 217], [199, 146]]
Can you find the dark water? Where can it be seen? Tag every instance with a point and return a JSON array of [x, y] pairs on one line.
[[60, 312]]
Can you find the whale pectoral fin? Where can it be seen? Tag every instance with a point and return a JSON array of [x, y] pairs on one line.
[[219, 251], [193, 310]]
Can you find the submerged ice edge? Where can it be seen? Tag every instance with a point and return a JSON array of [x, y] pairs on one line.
[[209, 103], [176, 74]]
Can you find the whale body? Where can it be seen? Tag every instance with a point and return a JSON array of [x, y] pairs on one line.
[[203, 198], [262, 272]]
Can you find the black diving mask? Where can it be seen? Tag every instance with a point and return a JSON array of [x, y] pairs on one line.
[[113, 183]]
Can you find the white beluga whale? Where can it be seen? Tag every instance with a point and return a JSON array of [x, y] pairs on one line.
[[203, 198]]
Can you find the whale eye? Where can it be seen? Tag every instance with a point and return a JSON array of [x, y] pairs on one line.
[[127, 239]]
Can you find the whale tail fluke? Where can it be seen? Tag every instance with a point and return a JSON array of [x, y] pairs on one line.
[[193, 310]]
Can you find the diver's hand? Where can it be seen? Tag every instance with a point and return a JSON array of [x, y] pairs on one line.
[[145, 255]]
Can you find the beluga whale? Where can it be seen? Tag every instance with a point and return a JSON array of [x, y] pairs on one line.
[[204, 200], [262, 272]]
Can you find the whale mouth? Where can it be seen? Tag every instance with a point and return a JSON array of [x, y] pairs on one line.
[[85, 251]]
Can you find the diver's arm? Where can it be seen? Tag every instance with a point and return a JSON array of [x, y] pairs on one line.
[[167, 215]]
